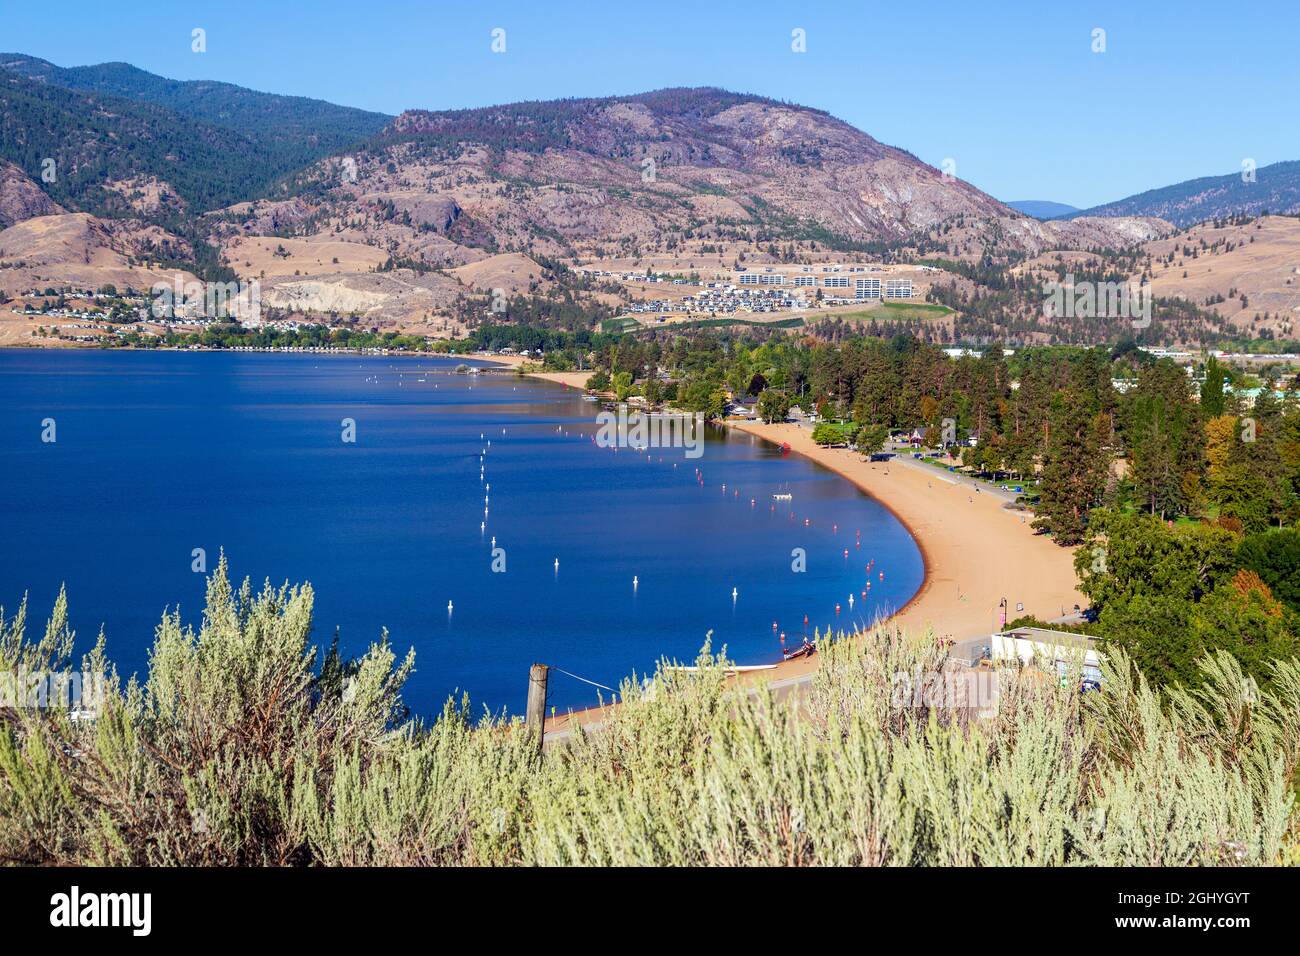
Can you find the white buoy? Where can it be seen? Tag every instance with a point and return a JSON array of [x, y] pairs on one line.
[[494, 541], [448, 607], [634, 581], [557, 564], [482, 525], [734, 593]]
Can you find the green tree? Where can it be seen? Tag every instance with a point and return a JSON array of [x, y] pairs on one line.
[[773, 405], [1074, 470], [1126, 554], [871, 439], [1164, 438], [1212, 401], [1275, 557]]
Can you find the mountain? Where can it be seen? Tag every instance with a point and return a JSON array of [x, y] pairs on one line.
[[1042, 208], [657, 170], [97, 149], [424, 212], [115, 132], [1275, 189], [295, 130]]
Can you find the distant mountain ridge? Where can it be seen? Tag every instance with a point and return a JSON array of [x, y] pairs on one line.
[[212, 144], [1042, 208], [1274, 189], [263, 115]]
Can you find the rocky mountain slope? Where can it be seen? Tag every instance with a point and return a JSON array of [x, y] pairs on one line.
[[21, 198], [606, 176]]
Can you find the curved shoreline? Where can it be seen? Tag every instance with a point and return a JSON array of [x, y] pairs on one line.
[[966, 538], [974, 552], [927, 562]]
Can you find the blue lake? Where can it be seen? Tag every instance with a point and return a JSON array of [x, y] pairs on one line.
[[158, 454]]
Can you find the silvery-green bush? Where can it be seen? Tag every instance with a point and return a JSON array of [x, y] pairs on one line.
[[243, 746]]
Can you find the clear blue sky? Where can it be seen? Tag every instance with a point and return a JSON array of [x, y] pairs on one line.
[[1012, 92]]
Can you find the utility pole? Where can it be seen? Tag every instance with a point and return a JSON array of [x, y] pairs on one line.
[[536, 709]]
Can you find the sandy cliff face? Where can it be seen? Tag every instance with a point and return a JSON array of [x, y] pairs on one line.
[[21, 198]]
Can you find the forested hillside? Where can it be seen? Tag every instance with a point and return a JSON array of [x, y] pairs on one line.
[[94, 140], [292, 130]]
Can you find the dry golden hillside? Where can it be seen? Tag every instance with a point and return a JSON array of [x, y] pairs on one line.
[[1258, 260]]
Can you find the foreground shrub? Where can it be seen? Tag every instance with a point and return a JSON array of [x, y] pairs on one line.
[[238, 748]]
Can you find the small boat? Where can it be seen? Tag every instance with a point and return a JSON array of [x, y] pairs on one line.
[[807, 649]]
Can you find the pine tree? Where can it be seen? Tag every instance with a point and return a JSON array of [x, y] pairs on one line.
[[1074, 472]]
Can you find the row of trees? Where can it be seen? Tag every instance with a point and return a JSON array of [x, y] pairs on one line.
[[1056, 414]]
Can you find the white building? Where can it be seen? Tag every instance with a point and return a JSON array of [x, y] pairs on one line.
[[866, 288], [898, 288], [1062, 651]]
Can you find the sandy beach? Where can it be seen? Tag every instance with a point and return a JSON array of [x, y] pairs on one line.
[[570, 379], [976, 552]]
